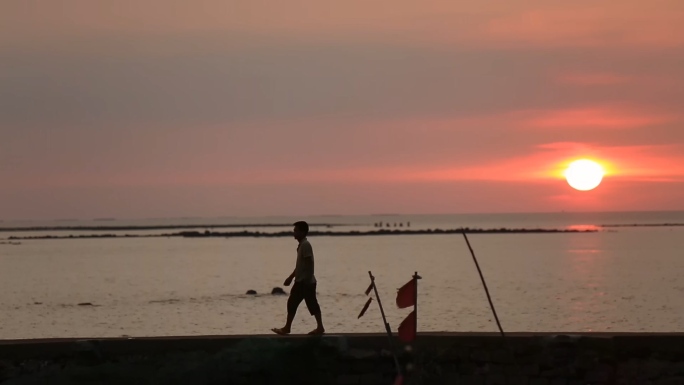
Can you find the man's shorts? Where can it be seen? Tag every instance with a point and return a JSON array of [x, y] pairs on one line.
[[303, 292]]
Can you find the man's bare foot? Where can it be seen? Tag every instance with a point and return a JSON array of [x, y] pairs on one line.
[[317, 331], [281, 331]]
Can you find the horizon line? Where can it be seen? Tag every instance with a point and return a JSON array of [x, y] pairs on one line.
[[112, 219]]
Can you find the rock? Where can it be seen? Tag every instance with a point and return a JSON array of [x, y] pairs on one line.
[[85, 304], [671, 381], [602, 373], [371, 379], [472, 380], [88, 349], [346, 379], [653, 369], [361, 354], [496, 379], [278, 291], [676, 368], [501, 357], [517, 380], [251, 292], [538, 381], [480, 355]]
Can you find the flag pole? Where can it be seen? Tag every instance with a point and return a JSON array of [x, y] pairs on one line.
[[489, 298], [387, 326], [415, 303]]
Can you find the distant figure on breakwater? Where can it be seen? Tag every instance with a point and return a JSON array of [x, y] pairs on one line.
[[304, 288], [382, 224]]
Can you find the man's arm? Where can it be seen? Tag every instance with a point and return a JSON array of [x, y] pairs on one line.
[[289, 279]]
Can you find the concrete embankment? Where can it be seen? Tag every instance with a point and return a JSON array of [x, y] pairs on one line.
[[435, 358]]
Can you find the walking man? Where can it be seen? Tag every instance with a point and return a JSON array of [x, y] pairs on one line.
[[304, 288]]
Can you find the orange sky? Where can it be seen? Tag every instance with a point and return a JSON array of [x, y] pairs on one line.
[[209, 108]]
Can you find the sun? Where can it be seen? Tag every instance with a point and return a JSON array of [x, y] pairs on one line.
[[584, 174]]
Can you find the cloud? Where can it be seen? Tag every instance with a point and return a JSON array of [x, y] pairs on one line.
[[597, 118], [603, 24], [594, 79], [636, 163], [476, 148], [460, 22]]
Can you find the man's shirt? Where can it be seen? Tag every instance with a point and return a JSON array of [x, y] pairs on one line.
[[304, 270]]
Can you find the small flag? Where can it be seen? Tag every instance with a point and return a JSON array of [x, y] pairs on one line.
[[370, 287], [407, 329], [406, 296], [365, 307], [399, 380]]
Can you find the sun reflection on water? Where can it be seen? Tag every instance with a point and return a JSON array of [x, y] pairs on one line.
[[583, 228]]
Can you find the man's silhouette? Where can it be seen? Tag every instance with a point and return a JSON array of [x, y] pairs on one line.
[[304, 288]]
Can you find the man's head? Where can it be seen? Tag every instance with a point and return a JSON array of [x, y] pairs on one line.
[[301, 229]]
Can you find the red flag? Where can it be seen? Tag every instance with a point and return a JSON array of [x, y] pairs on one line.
[[406, 296], [407, 329], [370, 287], [365, 307]]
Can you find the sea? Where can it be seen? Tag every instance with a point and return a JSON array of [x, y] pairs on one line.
[[624, 275]]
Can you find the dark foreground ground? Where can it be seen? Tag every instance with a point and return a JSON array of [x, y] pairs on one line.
[[435, 358]]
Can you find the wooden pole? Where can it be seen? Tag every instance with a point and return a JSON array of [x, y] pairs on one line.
[[491, 305], [387, 325], [416, 277], [489, 298]]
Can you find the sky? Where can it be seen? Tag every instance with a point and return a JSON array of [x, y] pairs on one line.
[[164, 108]]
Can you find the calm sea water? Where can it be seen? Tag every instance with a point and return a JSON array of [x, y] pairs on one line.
[[617, 279]]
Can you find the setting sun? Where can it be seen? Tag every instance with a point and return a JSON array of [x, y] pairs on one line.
[[584, 174]]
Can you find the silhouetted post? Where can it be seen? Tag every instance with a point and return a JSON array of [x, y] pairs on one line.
[[489, 298], [491, 305], [387, 325], [416, 277]]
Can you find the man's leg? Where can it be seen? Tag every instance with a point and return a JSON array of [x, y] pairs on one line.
[[319, 323], [293, 301], [314, 308]]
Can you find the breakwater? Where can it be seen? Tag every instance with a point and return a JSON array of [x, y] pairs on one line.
[[155, 227], [364, 359], [354, 233]]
